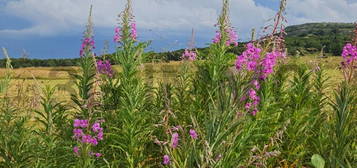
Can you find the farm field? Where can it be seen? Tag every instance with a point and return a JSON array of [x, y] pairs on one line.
[[28, 78]]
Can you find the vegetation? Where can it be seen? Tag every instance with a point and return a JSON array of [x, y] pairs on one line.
[[257, 109]]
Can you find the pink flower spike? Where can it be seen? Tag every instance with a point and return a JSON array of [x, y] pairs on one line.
[[96, 127], [77, 133], [76, 123], [193, 134], [174, 140], [76, 150], [98, 155], [254, 112], [100, 136], [166, 159], [256, 84], [84, 123]]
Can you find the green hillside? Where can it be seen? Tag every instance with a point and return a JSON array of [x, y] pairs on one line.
[[311, 37]]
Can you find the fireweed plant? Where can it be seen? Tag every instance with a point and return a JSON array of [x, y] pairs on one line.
[[253, 109], [86, 134], [177, 126], [214, 109], [343, 128], [128, 116], [85, 79]]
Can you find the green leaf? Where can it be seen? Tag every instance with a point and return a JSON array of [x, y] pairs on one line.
[[317, 161]]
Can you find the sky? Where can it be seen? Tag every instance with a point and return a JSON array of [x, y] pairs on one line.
[[54, 28]]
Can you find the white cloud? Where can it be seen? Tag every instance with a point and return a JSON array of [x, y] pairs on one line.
[[52, 17], [301, 11]]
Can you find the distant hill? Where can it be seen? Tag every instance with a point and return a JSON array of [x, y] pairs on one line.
[[319, 29], [311, 37], [303, 39]]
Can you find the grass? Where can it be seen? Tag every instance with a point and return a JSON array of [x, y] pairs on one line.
[[158, 71], [26, 79]]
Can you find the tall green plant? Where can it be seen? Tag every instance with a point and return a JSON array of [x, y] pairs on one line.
[[131, 126], [52, 123], [343, 127], [86, 77], [16, 140]]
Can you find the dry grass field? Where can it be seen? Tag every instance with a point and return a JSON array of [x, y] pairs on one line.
[[26, 80]]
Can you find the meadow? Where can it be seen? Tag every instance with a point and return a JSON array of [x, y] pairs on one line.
[[25, 80], [261, 108]]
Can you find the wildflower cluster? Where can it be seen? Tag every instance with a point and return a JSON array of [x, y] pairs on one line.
[[231, 39], [269, 62], [86, 134], [251, 61], [118, 36], [166, 159], [189, 55], [133, 31], [249, 58], [87, 46], [105, 68], [253, 102], [349, 54]]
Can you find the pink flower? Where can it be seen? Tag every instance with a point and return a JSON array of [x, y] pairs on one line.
[[252, 94], [100, 135], [133, 31], [80, 123], [254, 112], [96, 127], [93, 141], [84, 123], [256, 84], [217, 38], [269, 63], [193, 134], [98, 155], [249, 58], [240, 62], [174, 140], [349, 54], [189, 55], [251, 65], [76, 150], [117, 36], [105, 68], [248, 105], [77, 133], [231, 39], [166, 159], [86, 138], [76, 123], [87, 46]]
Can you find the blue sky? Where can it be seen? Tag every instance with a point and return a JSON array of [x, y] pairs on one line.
[[53, 28]]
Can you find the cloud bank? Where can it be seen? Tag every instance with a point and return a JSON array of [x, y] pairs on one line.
[[51, 17]]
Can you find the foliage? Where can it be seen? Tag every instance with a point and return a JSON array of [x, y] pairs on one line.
[[254, 109]]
